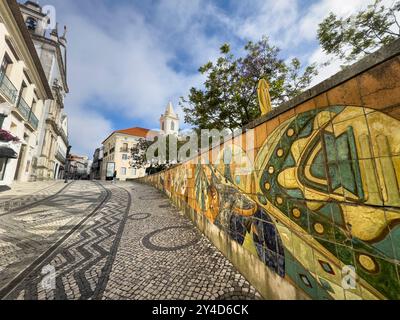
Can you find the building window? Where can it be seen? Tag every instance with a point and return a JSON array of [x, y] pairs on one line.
[[124, 147], [134, 171], [5, 65], [33, 108], [124, 156], [2, 118], [3, 165], [173, 126], [22, 92], [123, 171], [162, 126]]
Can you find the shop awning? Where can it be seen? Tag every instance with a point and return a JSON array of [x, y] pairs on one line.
[[9, 153]]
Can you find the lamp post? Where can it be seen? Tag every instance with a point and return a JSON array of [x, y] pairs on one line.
[[67, 165]]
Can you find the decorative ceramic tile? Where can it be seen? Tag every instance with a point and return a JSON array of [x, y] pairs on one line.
[[321, 196]]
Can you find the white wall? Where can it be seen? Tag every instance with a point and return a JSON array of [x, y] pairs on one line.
[[13, 123], [117, 141]]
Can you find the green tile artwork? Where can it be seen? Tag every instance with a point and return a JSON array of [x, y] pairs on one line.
[[332, 174]]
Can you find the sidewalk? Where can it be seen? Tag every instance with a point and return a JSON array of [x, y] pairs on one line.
[[163, 256], [18, 189], [25, 193]]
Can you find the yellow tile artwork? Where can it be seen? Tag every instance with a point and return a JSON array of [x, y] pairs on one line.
[[329, 173]]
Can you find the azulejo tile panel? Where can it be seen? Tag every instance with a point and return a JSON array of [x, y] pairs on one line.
[[319, 202]]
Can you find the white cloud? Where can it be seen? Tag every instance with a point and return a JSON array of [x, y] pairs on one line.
[[274, 18], [119, 63], [290, 22], [127, 58], [309, 25], [316, 13], [88, 129], [319, 57]]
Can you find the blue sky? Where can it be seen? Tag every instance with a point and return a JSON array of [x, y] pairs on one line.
[[127, 59]]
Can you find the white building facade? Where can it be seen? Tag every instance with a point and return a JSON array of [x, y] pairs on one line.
[[62, 146], [116, 151], [23, 92], [117, 154], [50, 158]]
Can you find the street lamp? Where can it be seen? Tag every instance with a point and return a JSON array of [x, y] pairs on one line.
[[67, 165]]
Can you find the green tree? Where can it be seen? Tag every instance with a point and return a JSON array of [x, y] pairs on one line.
[[229, 99], [138, 154], [362, 33]]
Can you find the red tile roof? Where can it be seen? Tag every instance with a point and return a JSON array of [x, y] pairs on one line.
[[136, 132]]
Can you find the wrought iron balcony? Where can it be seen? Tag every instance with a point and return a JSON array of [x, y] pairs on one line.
[[7, 88], [23, 108], [26, 112], [33, 120]]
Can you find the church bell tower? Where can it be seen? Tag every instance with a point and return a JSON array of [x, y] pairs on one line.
[[169, 121]]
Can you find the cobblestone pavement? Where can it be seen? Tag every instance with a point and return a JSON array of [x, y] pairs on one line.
[[163, 256], [131, 244], [24, 194], [30, 231]]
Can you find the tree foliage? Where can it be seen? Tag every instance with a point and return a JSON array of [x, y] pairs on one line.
[[138, 154], [229, 96], [360, 34]]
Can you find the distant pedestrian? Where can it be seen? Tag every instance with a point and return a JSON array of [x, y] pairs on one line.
[[114, 177]]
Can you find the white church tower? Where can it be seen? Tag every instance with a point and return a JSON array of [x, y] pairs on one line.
[[169, 121]]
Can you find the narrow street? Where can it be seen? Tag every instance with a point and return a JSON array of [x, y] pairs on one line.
[[92, 240]]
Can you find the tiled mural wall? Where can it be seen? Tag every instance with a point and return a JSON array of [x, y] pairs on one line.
[[321, 201]]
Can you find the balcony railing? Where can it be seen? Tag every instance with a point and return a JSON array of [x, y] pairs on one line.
[[27, 113], [33, 120], [7, 88], [23, 108]]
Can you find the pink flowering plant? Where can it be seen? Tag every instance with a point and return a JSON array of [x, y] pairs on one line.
[[6, 136]]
